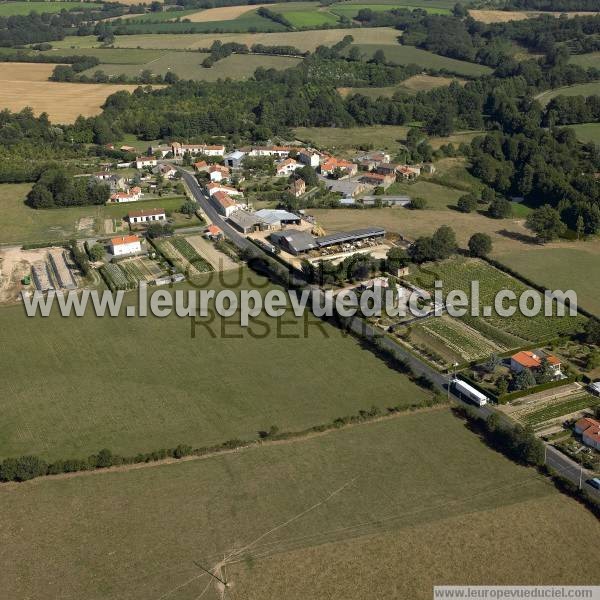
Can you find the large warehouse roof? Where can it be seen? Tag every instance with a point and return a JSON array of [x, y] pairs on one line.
[[299, 241], [349, 236], [272, 216]]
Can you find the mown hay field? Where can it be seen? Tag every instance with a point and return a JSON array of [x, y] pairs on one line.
[[505, 16], [406, 55], [304, 40], [412, 85], [561, 265], [587, 132], [222, 13], [372, 511], [188, 65], [26, 84], [580, 89], [142, 384]]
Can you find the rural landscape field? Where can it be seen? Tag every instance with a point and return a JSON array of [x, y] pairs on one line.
[[299, 299]]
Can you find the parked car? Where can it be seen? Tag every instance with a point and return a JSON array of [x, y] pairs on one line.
[[595, 483]]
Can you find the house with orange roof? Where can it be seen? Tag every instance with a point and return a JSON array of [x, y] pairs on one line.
[[218, 173], [378, 179], [213, 232], [225, 204], [331, 164], [286, 167], [408, 171], [125, 245], [531, 361], [132, 195], [589, 429]]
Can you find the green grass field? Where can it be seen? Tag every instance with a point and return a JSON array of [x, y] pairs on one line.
[[21, 224], [405, 55], [304, 40], [580, 89], [350, 10], [375, 511], [188, 65], [116, 56], [561, 266], [249, 21], [13, 9], [143, 384], [587, 132], [585, 60]]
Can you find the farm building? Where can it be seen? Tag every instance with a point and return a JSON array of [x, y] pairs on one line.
[[408, 172], [246, 222], [589, 429], [349, 237], [346, 187], [124, 245], [145, 161], [41, 276], [387, 200], [278, 151], [161, 149], [234, 159], [378, 180], [532, 361], [62, 271], [594, 388], [377, 157], [275, 218], [146, 215], [294, 241]]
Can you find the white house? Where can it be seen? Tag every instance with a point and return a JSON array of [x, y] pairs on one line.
[[286, 167], [310, 158], [167, 171], [145, 161], [213, 188], [127, 244], [218, 173], [225, 204], [179, 149], [132, 195], [147, 215], [279, 151], [589, 429]]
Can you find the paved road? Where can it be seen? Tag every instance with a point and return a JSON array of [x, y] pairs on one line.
[[554, 459]]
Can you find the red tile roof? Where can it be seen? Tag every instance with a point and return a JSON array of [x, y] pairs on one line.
[[126, 239], [146, 212], [530, 360]]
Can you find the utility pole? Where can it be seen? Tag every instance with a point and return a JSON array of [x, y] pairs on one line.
[[580, 476], [211, 574]]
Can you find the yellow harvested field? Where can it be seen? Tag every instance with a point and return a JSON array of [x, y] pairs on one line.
[[304, 40], [26, 84], [424, 83], [223, 13], [503, 16]]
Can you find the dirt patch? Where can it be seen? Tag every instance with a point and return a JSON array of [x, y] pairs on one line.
[[14, 265], [223, 13], [504, 16], [220, 261]]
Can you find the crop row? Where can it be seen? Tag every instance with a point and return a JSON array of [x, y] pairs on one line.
[[189, 253], [117, 278], [558, 409]]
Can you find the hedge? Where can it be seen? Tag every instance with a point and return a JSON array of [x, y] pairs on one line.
[[29, 467]]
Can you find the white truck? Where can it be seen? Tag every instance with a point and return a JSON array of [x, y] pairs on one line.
[[468, 392]]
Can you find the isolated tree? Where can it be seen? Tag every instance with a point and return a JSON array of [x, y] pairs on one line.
[[379, 57], [467, 203], [97, 252], [592, 332], [397, 258], [444, 242], [500, 208], [418, 203], [188, 208], [480, 244], [546, 223]]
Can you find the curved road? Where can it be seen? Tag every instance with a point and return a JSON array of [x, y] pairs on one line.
[[554, 458]]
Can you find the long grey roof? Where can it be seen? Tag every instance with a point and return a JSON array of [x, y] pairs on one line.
[[272, 216], [245, 219], [349, 236]]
